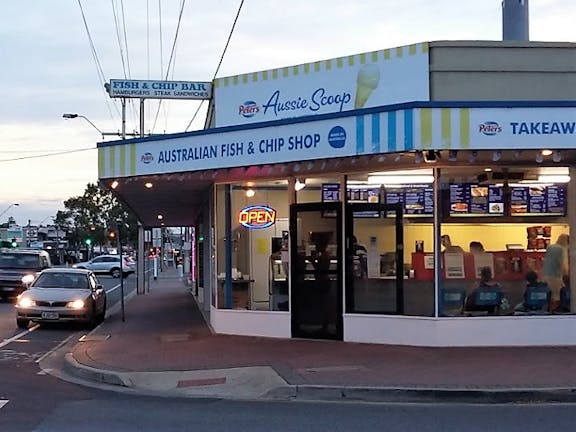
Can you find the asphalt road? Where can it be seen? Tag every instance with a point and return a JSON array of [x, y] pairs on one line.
[[33, 400]]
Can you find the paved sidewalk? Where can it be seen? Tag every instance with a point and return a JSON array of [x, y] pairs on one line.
[[165, 347]]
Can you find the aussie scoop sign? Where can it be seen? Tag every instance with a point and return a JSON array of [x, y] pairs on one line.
[[278, 105]]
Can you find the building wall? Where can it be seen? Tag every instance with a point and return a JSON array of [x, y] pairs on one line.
[[480, 71]]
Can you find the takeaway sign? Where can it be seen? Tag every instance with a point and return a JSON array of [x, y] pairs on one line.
[[149, 89]]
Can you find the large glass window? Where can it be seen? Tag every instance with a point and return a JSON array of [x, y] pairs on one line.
[[254, 244], [504, 243]]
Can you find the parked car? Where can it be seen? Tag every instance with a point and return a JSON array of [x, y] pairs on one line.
[[108, 264], [18, 267], [62, 295]]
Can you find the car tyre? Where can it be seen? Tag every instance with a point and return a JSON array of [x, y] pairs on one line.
[[115, 272], [22, 323]]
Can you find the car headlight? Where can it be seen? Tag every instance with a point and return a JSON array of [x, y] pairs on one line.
[[25, 302], [76, 304], [27, 279]]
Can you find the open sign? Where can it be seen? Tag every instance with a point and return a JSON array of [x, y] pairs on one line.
[[257, 217]]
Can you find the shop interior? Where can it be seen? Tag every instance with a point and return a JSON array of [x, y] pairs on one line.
[[514, 212]]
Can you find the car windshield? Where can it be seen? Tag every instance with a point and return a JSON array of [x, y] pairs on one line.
[[19, 261], [61, 280]]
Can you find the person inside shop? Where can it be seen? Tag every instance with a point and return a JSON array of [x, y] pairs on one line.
[[533, 283], [476, 247], [554, 267], [448, 246], [565, 294], [360, 254], [476, 302]]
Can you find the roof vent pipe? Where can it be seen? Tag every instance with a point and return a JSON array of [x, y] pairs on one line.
[[515, 21]]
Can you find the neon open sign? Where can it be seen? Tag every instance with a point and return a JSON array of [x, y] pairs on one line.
[[257, 217]]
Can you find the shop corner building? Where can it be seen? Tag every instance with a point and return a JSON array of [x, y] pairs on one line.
[[320, 194]]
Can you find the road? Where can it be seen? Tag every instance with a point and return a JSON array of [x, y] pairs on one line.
[[33, 399]]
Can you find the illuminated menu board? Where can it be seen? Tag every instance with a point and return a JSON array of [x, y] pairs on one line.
[[468, 199], [538, 200], [417, 200], [367, 195]]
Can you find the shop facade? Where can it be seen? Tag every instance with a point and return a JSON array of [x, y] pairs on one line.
[[327, 204]]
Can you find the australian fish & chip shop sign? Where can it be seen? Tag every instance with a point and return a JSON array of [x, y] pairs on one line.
[[146, 89]]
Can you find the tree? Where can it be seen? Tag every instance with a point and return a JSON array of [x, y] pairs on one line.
[[92, 215]]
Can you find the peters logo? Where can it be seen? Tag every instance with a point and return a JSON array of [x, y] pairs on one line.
[[257, 216], [147, 158], [490, 128], [248, 109]]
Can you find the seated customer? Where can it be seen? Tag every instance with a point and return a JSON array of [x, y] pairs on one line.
[[536, 296], [487, 295]]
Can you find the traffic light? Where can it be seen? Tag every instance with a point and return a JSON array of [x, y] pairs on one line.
[[88, 241], [14, 243], [112, 235]]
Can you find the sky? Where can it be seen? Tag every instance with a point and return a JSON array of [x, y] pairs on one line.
[[55, 57]]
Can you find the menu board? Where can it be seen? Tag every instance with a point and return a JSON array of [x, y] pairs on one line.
[[418, 200], [538, 200], [368, 195], [468, 199]]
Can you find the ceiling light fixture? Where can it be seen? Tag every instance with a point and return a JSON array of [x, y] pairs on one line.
[[557, 156], [114, 184], [300, 184], [148, 185], [250, 193], [400, 179], [160, 217], [553, 178], [546, 152]]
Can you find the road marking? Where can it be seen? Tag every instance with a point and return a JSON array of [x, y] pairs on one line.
[[3, 402], [57, 347], [113, 288], [18, 336]]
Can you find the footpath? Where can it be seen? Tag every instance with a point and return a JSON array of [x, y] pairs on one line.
[[165, 347]]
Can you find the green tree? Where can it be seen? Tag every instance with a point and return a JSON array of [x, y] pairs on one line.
[[93, 214]]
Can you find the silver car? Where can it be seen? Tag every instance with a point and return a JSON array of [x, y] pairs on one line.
[[62, 295], [108, 264]]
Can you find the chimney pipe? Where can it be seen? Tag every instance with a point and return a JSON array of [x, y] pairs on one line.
[[515, 22]]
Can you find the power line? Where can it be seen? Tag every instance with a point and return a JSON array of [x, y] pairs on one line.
[[99, 70], [47, 155], [182, 4], [219, 62]]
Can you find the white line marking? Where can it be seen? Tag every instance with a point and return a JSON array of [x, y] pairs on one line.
[[3, 402], [18, 336], [113, 288], [57, 347]]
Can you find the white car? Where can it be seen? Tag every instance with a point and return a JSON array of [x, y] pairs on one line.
[[62, 295], [109, 264]]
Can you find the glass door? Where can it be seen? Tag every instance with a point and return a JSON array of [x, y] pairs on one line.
[[316, 270], [374, 259]]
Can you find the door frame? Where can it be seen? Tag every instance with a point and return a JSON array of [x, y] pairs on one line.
[[399, 231], [335, 208]]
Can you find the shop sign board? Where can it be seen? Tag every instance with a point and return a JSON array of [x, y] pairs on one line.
[[148, 89], [357, 81], [388, 131]]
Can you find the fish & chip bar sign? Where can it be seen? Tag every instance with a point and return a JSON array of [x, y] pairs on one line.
[[146, 89]]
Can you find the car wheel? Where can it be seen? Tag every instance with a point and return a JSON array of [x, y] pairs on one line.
[[22, 323], [115, 272]]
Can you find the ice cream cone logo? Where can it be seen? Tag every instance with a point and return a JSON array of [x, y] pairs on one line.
[[366, 81]]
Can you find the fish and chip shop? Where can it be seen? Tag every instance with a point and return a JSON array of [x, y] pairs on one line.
[[320, 194]]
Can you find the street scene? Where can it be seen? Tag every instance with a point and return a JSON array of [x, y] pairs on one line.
[[288, 216]]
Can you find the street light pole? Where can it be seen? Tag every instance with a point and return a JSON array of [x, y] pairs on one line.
[[122, 134], [119, 223], [8, 208]]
